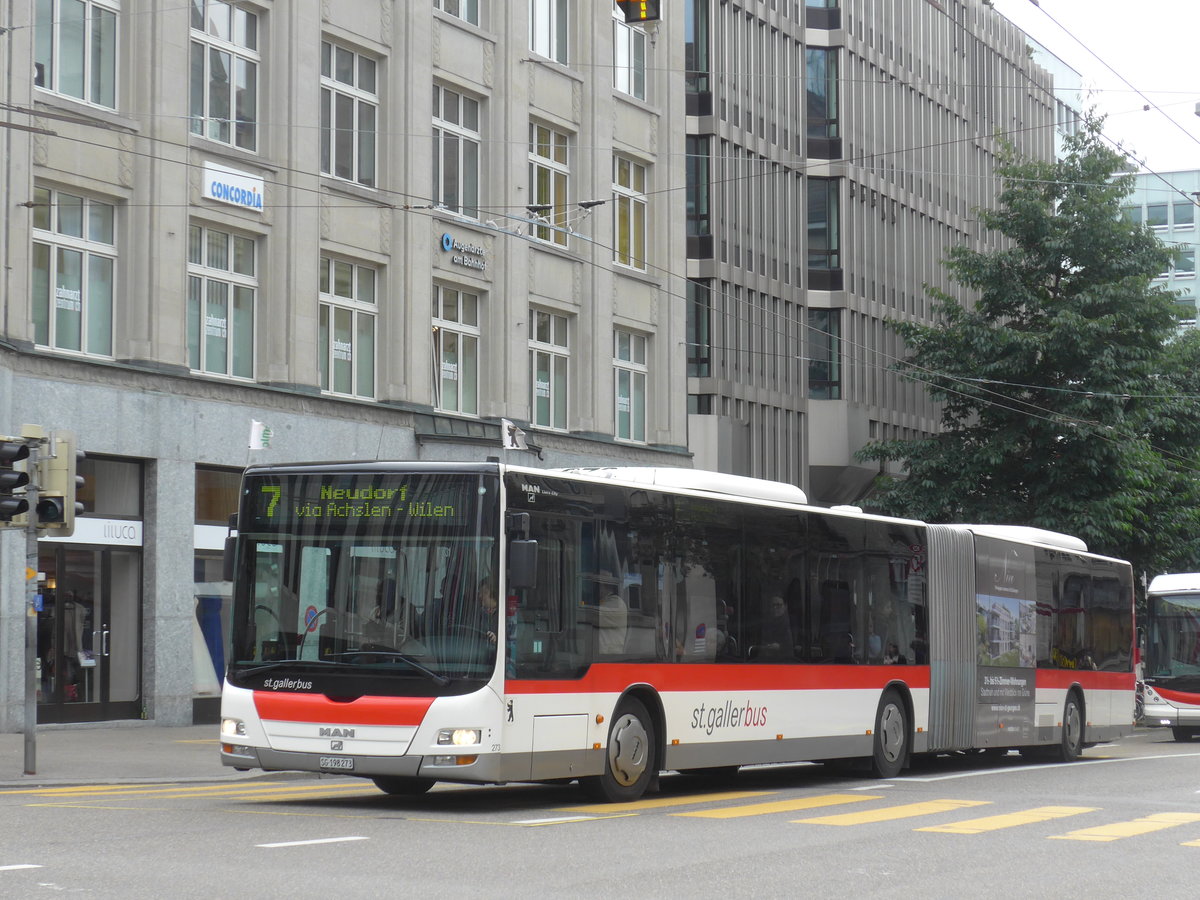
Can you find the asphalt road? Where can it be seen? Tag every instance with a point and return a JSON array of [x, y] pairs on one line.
[[1125, 821]]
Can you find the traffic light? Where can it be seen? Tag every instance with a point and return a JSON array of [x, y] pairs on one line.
[[57, 484], [641, 10], [13, 480]]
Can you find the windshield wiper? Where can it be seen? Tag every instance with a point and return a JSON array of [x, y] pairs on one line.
[[436, 677], [280, 663]]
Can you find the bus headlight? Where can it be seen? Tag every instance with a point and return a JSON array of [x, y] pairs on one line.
[[233, 728], [459, 737]]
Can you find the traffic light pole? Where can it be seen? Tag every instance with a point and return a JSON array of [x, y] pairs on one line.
[[31, 589]]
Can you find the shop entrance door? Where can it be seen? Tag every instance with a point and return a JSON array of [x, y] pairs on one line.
[[89, 634]]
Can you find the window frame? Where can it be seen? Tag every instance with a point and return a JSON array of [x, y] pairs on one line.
[[361, 99], [630, 76], [466, 334], [466, 10], [47, 232], [447, 131], [202, 273], [242, 133], [363, 384], [630, 381], [557, 354], [98, 84], [631, 210], [549, 24], [549, 180]]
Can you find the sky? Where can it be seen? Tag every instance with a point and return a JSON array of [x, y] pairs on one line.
[[1121, 48]]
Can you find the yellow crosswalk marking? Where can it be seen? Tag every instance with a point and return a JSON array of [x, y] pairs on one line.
[[777, 806], [178, 792], [1133, 828], [1190, 844], [889, 813], [664, 802], [1010, 820]]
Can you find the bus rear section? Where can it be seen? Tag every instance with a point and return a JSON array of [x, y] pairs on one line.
[[1032, 642], [1171, 659]]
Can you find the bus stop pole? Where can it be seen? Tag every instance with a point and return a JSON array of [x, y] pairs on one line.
[[31, 621]]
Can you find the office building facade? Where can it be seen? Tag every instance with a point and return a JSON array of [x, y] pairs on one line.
[[352, 230], [837, 150]]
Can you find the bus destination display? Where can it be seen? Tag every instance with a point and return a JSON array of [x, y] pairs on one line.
[[307, 499]]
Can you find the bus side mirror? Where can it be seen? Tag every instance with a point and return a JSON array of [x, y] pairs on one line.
[[522, 564], [230, 547]]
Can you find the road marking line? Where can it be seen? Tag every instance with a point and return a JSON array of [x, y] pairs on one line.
[[1190, 844], [1118, 830], [777, 806], [18, 866], [889, 813], [1009, 820], [1084, 761], [176, 792], [337, 840], [562, 819], [661, 802]]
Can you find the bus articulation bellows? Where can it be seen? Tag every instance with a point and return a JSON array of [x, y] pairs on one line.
[[478, 622]]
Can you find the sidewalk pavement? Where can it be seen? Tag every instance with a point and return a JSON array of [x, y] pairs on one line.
[[116, 753]]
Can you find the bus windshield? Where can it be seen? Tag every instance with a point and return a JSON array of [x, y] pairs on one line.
[[1173, 641], [349, 581]]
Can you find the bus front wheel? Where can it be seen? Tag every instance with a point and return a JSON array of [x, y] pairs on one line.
[[402, 785], [891, 736], [629, 758], [1072, 730]]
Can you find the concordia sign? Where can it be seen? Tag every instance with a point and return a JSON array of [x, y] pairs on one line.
[[233, 187]]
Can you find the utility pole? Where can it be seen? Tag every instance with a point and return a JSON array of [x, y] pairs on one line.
[[34, 436]]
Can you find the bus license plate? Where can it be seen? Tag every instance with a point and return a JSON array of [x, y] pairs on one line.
[[337, 762]]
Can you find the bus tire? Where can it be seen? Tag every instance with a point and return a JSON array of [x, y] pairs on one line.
[[891, 736], [629, 757], [402, 785], [1182, 733], [1071, 744]]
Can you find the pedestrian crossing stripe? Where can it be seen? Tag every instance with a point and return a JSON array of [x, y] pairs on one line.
[[663, 802], [1009, 820], [890, 813], [777, 806], [1133, 828]]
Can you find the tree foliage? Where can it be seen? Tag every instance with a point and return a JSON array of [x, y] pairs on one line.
[[1062, 387]]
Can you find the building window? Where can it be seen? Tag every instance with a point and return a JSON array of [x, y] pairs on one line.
[[224, 73], [1132, 214], [699, 329], [1185, 265], [699, 220], [548, 182], [824, 354], [629, 188], [456, 151], [823, 237], [695, 46], [1156, 215], [348, 114], [467, 10], [74, 257], [549, 355], [1185, 214], [548, 28], [629, 365], [456, 350], [629, 56], [820, 76], [75, 49], [222, 286], [347, 328]]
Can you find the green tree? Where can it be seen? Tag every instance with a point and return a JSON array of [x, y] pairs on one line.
[[1060, 386]]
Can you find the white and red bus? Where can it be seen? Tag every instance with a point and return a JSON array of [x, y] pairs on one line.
[[648, 620], [1171, 659]]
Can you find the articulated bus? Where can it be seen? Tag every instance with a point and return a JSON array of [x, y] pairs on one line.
[[481, 622], [1171, 661]]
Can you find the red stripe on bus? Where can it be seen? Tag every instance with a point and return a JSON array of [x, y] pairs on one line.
[[616, 677], [1187, 697], [288, 707], [1086, 678]]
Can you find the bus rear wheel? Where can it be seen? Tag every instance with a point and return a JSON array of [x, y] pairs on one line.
[[891, 736], [402, 785], [629, 759]]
